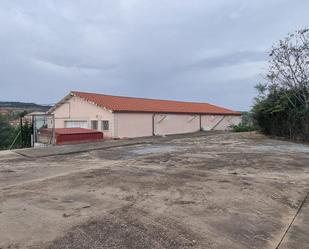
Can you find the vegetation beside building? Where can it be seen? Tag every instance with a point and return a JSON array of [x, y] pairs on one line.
[[10, 129], [247, 123], [7, 132], [17, 137], [282, 105]]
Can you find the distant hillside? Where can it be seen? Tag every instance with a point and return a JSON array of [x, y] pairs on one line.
[[10, 105]]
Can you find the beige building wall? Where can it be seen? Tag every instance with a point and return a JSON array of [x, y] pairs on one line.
[[219, 122], [122, 125], [133, 125], [166, 124], [79, 110]]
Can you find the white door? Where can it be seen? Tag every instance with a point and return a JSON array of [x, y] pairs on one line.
[[76, 124]]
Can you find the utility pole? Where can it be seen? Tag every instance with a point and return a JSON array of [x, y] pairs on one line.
[[21, 129]]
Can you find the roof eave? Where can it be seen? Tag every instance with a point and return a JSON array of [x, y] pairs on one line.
[[91, 102], [62, 101], [190, 113]]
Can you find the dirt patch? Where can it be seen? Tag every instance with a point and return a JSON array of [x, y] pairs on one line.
[[224, 190], [126, 229]]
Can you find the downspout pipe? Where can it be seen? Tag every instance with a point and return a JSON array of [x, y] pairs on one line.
[[153, 124]]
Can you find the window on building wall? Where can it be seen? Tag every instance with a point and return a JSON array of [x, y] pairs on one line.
[[94, 124], [105, 125], [75, 124]]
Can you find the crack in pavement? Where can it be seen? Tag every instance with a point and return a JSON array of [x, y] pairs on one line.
[[292, 221]]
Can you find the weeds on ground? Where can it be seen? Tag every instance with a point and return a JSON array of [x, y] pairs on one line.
[[243, 127]]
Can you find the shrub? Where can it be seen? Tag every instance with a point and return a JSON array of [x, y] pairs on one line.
[[282, 106], [7, 133], [243, 127]]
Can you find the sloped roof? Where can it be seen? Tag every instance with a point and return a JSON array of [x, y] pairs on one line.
[[130, 104]]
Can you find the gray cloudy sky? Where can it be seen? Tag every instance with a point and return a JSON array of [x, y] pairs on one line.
[[194, 50]]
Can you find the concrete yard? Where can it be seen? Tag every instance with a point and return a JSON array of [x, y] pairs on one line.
[[204, 190]]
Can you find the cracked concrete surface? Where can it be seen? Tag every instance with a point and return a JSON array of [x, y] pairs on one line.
[[224, 190]]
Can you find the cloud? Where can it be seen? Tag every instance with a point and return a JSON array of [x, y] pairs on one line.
[[233, 58], [189, 50]]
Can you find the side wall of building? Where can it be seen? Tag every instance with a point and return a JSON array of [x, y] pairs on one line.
[[121, 125], [79, 110], [132, 125], [219, 122], [165, 124], [144, 124]]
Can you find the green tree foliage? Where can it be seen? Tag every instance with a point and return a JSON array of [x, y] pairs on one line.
[[282, 105], [243, 127], [26, 132], [246, 123], [7, 133]]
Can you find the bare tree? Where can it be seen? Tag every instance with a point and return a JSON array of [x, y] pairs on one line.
[[289, 66]]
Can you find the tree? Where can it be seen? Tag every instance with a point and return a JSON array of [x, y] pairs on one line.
[[6, 133], [26, 131], [282, 105], [289, 66]]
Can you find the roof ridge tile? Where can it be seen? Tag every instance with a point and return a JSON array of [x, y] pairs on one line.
[[136, 104]]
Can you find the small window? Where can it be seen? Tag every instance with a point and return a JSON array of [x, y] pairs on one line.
[[94, 124], [105, 125], [75, 124]]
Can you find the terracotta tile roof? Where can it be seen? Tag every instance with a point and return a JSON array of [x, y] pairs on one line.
[[129, 104]]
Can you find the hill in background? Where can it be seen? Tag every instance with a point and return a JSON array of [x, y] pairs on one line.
[[12, 110], [22, 106]]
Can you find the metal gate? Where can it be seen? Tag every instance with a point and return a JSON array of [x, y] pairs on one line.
[[43, 130]]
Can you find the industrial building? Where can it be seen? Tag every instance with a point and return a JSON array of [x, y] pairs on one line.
[[124, 117]]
